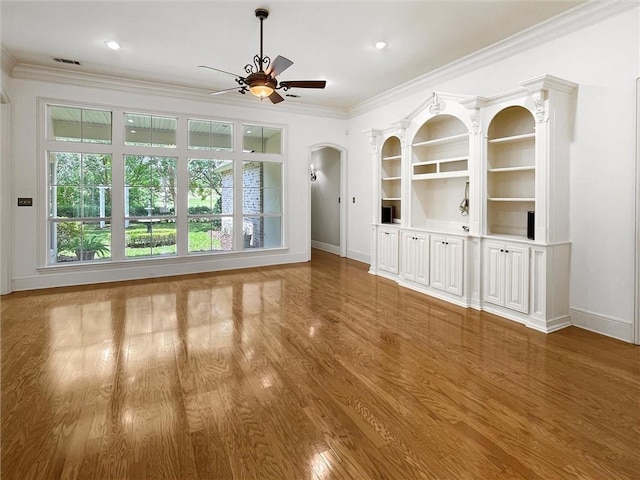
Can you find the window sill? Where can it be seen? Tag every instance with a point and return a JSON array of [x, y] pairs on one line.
[[146, 261]]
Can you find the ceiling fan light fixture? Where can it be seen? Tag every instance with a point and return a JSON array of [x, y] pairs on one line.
[[260, 90]]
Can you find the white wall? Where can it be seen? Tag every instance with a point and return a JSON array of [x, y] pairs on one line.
[[303, 131], [603, 58], [325, 191]]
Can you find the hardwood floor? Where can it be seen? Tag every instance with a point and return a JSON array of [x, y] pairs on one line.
[[309, 371]]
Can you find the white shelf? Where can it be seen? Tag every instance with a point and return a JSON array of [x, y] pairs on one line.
[[511, 169], [441, 160], [514, 138], [395, 199], [394, 157], [511, 199], [434, 176], [436, 141], [390, 178]]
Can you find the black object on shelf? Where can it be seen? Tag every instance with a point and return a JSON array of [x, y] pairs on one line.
[[387, 214], [531, 222]]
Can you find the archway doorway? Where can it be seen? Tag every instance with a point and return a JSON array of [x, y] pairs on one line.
[[328, 225]]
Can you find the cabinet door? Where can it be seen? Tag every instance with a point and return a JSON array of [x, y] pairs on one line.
[[415, 255], [409, 256], [516, 279], [388, 250], [454, 262], [383, 250], [422, 259], [493, 273], [394, 254], [438, 262]]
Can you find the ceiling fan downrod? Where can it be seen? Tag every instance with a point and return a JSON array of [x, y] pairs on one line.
[[262, 14]]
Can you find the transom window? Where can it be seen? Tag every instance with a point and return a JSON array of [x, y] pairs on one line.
[[230, 199], [207, 135], [71, 124], [149, 130]]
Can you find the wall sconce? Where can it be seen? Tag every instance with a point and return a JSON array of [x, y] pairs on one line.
[[313, 173]]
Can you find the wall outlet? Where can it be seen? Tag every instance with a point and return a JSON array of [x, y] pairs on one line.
[[25, 202]]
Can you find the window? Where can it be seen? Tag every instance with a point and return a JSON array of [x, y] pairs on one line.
[[210, 205], [206, 135], [149, 130], [256, 139], [205, 196], [70, 124], [149, 200], [262, 204], [79, 206]]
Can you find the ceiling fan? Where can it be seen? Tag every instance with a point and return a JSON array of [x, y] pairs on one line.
[[261, 75]]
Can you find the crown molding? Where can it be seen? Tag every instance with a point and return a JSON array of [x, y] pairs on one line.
[[92, 80], [7, 60], [575, 19]]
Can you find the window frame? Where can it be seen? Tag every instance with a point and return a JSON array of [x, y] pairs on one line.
[[119, 150]]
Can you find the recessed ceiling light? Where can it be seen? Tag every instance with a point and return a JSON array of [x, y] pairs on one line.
[[380, 45], [113, 45]]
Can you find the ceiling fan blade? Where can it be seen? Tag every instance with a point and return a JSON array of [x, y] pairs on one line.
[[303, 84], [275, 97], [279, 65], [218, 92], [220, 71]]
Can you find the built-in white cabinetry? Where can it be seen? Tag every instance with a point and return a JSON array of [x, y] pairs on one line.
[[388, 250], [479, 189], [506, 275], [415, 257], [447, 261]]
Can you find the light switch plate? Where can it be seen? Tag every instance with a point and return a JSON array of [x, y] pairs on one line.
[[25, 202]]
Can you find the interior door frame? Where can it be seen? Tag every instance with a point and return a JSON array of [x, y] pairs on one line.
[[636, 319], [6, 194], [343, 191]]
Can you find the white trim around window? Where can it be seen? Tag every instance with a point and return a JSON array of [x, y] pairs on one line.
[[118, 151]]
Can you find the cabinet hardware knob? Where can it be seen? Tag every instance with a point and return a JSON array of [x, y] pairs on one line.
[[501, 250]]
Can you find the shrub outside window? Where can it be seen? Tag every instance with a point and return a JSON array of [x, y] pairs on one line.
[[79, 206], [210, 205], [149, 200]]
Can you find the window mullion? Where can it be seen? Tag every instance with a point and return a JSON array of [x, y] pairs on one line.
[[238, 194], [182, 197], [117, 187]]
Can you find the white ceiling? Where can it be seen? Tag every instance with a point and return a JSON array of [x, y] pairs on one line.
[[334, 40]]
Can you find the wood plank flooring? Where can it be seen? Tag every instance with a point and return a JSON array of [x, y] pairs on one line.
[[308, 371]]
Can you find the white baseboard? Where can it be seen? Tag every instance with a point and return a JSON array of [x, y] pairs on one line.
[[326, 247], [549, 326], [609, 326], [359, 256], [135, 270], [440, 295]]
